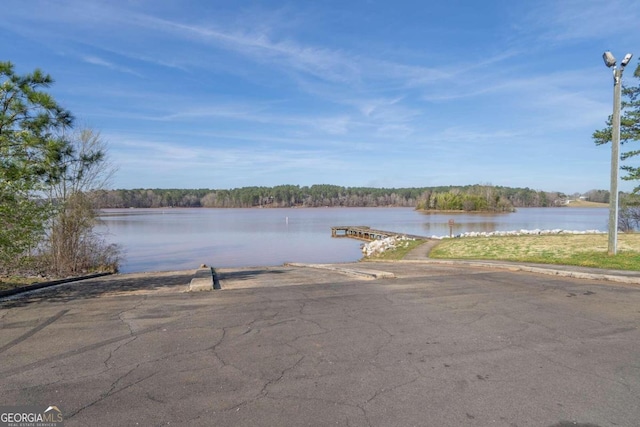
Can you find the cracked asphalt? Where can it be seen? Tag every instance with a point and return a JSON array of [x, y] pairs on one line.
[[435, 345]]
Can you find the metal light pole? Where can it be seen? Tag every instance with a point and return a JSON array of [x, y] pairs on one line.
[[610, 61]]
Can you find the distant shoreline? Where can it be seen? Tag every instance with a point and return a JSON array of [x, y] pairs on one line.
[[573, 204]]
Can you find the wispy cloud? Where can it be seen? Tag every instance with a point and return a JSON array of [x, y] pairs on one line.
[[95, 60], [259, 46], [292, 92], [180, 163], [571, 20]]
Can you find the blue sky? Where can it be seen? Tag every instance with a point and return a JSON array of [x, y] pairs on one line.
[[226, 94]]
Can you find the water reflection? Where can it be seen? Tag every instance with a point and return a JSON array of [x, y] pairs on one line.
[[579, 219], [171, 239]]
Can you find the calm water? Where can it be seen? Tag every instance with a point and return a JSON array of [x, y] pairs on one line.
[[176, 239]]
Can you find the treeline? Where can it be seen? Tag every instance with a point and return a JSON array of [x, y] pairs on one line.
[[599, 196], [470, 198], [474, 199]]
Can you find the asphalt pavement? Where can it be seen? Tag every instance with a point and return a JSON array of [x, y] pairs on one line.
[[411, 343]]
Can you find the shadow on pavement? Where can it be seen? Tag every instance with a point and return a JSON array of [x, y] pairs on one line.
[[93, 288], [247, 274]]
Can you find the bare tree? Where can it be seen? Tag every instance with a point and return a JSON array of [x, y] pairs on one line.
[[629, 214], [73, 247]]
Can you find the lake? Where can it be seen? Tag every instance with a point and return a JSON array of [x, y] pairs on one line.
[[178, 239]]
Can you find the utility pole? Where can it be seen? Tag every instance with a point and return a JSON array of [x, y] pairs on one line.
[[610, 61]]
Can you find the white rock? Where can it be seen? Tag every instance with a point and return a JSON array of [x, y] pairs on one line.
[[377, 247], [501, 233]]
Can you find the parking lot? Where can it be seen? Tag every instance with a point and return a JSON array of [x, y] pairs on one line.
[[433, 345]]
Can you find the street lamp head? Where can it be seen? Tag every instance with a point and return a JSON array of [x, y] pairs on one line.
[[626, 59], [609, 59]]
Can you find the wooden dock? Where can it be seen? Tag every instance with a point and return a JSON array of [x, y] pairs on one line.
[[363, 232]]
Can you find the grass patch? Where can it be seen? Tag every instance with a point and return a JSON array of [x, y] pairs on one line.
[[585, 250], [398, 253], [586, 204]]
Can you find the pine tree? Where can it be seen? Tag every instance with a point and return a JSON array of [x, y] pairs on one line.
[[629, 128], [31, 123]]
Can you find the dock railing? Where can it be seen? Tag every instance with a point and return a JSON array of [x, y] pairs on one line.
[[363, 232]]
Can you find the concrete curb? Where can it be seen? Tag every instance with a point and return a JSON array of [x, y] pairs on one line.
[[204, 279], [569, 272]]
